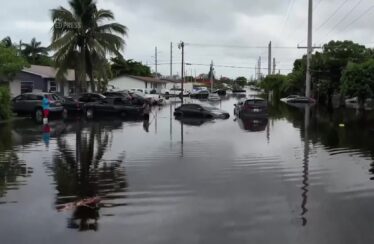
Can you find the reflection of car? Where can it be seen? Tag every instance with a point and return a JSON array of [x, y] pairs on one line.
[[112, 106], [31, 104], [193, 121], [197, 110], [91, 97], [214, 97], [253, 124], [257, 107]]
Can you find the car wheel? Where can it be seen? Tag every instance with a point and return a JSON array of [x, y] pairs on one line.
[[65, 113], [89, 113], [38, 115]]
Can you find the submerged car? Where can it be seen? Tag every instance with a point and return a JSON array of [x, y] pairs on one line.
[[200, 93], [31, 104], [71, 105], [253, 107], [297, 99], [197, 110], [112, 106]]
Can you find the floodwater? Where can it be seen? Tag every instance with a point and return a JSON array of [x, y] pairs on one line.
[[297, 177]]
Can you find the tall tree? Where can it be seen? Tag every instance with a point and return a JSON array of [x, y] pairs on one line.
[[120, 66], [81, 33], [7, 42], [358, 80], [33, 51]]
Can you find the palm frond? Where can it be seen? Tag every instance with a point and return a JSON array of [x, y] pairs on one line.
[[113, 28]]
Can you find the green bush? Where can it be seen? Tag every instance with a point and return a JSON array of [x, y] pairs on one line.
[[5, 103]]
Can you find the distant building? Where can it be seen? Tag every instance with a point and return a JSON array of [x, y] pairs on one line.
[[188, 86], [38, 78], [127, 82]]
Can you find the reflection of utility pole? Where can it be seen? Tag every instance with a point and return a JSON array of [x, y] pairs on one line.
[[305, 175], [181, 46]]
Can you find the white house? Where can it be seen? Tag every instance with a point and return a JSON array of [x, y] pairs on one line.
[[188, 86], [128, 82]]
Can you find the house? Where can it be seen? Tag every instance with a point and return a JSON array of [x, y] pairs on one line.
[[188, 86], [127, 82], [38, 78]]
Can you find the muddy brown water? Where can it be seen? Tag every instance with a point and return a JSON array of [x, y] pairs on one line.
[[297, 176]]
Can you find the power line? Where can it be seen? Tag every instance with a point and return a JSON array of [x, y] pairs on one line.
[[237, 46], [359, 17], [289, 8], [332, 15], [344, 18]]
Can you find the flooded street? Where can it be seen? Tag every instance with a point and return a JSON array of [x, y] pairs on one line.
[[294, 178]]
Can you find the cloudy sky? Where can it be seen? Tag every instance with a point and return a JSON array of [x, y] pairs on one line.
[[229, 32]]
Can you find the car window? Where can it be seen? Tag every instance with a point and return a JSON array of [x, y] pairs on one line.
[[33, 97], [19, 98]]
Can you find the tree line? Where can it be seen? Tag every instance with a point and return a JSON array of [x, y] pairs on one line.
[[342, 68]]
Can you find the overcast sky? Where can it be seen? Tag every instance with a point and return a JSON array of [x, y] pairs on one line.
[[224, 27]]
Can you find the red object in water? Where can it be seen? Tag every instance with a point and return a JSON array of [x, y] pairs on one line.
[[88, 202]]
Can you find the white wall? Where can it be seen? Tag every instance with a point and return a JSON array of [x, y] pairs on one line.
[[15, 88], [187, 86], [126, 83]]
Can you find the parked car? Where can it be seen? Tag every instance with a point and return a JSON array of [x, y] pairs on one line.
[[91, 97], [122, 94], [174, 92], [197, 110], [252, 107], [31, 104], [220, 92], [144, 90], [112, 106], [72, 105], [200, 93]]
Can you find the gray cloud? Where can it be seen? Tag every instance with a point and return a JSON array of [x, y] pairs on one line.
[[215, 22]]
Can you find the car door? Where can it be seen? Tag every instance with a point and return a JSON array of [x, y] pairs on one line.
[[18, 104]]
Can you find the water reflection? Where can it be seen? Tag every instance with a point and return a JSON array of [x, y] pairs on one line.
[[13, 171], [253, 124], [82, 172]]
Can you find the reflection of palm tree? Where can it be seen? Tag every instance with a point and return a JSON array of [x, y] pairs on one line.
[[84, 173]]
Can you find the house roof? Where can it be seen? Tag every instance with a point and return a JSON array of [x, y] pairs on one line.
[[48, 72], [147, 79]]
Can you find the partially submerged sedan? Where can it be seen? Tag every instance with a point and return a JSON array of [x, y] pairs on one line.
[[112, 106], [197, 110]]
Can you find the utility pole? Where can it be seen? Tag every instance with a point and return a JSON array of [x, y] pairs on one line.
[[255, 71], [269, 59], [156, 62], [310, 49], [181, 46], [211, 76], [171, 60], [259, 69], [274, 66]]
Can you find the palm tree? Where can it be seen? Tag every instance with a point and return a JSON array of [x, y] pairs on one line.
[[79, 35], [33, 50], [7, 42]]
